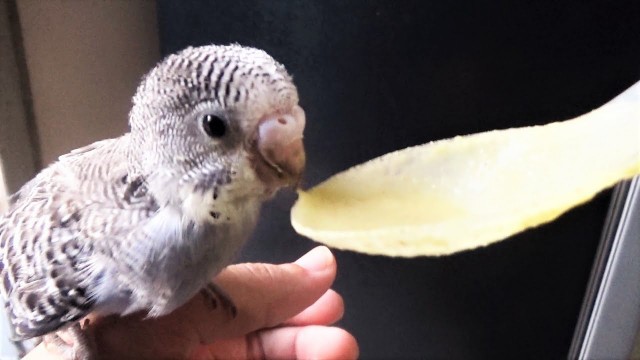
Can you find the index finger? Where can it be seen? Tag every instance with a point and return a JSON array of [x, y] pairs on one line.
[[265, 295]]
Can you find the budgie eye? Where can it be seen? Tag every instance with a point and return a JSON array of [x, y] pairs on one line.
[[214, 126]]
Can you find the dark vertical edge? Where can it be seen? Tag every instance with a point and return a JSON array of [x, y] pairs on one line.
[[23, 72], [19, 142]]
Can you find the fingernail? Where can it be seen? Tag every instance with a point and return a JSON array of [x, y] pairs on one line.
[[317, 259]]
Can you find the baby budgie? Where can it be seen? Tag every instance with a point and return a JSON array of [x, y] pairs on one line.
[[145, 221]]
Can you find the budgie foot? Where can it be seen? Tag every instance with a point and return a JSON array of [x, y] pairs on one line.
[[82, 346], [215, 294]]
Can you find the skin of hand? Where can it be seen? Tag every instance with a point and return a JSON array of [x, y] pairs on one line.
[[284, 311]]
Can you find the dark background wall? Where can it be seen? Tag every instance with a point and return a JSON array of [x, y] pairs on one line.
[[376, 76]]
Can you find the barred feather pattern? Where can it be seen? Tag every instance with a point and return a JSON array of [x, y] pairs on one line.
[[51, 231], [144, 221]]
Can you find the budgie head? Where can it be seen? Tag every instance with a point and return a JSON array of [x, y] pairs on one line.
[[216, 119]]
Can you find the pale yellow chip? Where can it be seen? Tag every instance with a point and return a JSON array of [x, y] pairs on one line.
[[474, 190]]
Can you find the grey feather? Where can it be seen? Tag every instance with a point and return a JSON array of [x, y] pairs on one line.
[[144, 221]]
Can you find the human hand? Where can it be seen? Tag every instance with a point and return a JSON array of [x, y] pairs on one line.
[[284, 311]]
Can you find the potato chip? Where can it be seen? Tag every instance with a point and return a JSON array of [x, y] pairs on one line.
[[471, 191]]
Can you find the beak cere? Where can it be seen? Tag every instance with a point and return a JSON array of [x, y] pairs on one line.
[[280, 147]]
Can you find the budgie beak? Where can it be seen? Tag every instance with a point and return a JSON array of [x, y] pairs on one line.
[[279, 146]]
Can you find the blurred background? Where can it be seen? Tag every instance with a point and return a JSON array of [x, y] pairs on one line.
[[373, 77]]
